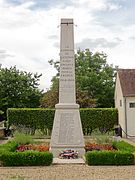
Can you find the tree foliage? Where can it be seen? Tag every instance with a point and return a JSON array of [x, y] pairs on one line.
[[18, 88], [94, 79], [51, 97], [95, 76]]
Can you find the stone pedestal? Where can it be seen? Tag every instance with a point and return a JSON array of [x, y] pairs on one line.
[[67, 129]]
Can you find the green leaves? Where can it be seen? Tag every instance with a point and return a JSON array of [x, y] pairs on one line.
[[95, 76], [122, 145], [39, 118], [93, 118], [31, 118], [109, 158], [9, 156], [18, 88]]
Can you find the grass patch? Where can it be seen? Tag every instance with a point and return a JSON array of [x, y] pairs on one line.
[[123, 146]]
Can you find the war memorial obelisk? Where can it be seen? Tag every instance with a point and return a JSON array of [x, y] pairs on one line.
[[67, 129]]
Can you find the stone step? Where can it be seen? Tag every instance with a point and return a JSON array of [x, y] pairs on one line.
[[68, 161]]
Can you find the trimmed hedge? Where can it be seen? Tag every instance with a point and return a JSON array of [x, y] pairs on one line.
[[26, 158], [34, 118], [103, 118], [109, 158], [39, 118], [8, 156]]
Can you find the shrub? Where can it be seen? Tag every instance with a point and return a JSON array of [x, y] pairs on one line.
[[104, 139], [26, 158], [9, 146], [109, 158], [103, 118], [31, 118], [9, 156], [1, 112], [39, 118], [124, 146]]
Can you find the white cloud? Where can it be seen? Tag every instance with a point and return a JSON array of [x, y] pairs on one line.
[[92, 4], [30, 35]]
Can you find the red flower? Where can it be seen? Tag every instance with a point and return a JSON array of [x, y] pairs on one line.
[[37, 147]]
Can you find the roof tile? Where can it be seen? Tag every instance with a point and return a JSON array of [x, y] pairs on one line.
[[127, 81]]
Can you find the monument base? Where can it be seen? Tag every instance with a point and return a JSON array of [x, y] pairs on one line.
[[67, 130]]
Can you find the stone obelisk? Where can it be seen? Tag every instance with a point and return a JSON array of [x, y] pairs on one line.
[[67, 129]]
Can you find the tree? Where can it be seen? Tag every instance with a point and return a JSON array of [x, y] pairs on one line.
[[18, 89], [94, 79], [1, 118], [51, 97], [96, 76]]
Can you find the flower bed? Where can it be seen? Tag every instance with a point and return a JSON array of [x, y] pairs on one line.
[[36, 147], [98, 147], [10, 156], [119, 153]]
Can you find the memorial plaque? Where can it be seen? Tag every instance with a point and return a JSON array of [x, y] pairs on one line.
[[66, 132], [67, 128]]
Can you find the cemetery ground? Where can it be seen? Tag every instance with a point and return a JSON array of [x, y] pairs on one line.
[[69, 171]]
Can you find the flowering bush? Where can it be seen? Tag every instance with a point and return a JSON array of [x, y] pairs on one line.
[[35, 147]]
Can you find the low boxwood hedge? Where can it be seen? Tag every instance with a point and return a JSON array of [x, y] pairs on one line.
[[109, 158], [9, 157], [26, 158]]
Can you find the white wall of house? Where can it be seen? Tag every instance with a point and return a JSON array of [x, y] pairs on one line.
[[130, 107], [120, 105]]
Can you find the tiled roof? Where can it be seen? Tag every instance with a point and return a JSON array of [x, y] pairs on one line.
[[127, 81]]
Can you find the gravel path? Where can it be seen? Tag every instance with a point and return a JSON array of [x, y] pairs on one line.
[[68, 172]]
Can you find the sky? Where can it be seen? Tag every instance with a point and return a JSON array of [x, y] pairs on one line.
[[30, 32]]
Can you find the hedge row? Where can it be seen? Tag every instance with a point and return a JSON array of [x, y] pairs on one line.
[[38, 118], [102, 118], [109, 158], [34, 118], [8, 156]]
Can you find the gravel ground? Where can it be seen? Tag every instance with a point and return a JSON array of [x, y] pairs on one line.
[[68, 172]]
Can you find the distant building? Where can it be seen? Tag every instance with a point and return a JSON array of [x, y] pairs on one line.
[[125, 100]]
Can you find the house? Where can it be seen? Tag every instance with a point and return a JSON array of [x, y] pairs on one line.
[[125, 101]]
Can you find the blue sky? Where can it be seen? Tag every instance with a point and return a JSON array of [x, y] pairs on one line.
[[29, 33]]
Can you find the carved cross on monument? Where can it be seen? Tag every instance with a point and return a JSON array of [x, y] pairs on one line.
[[67, 128]]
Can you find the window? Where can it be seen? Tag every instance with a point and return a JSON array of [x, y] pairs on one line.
[[132, 105], [120, 103]]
